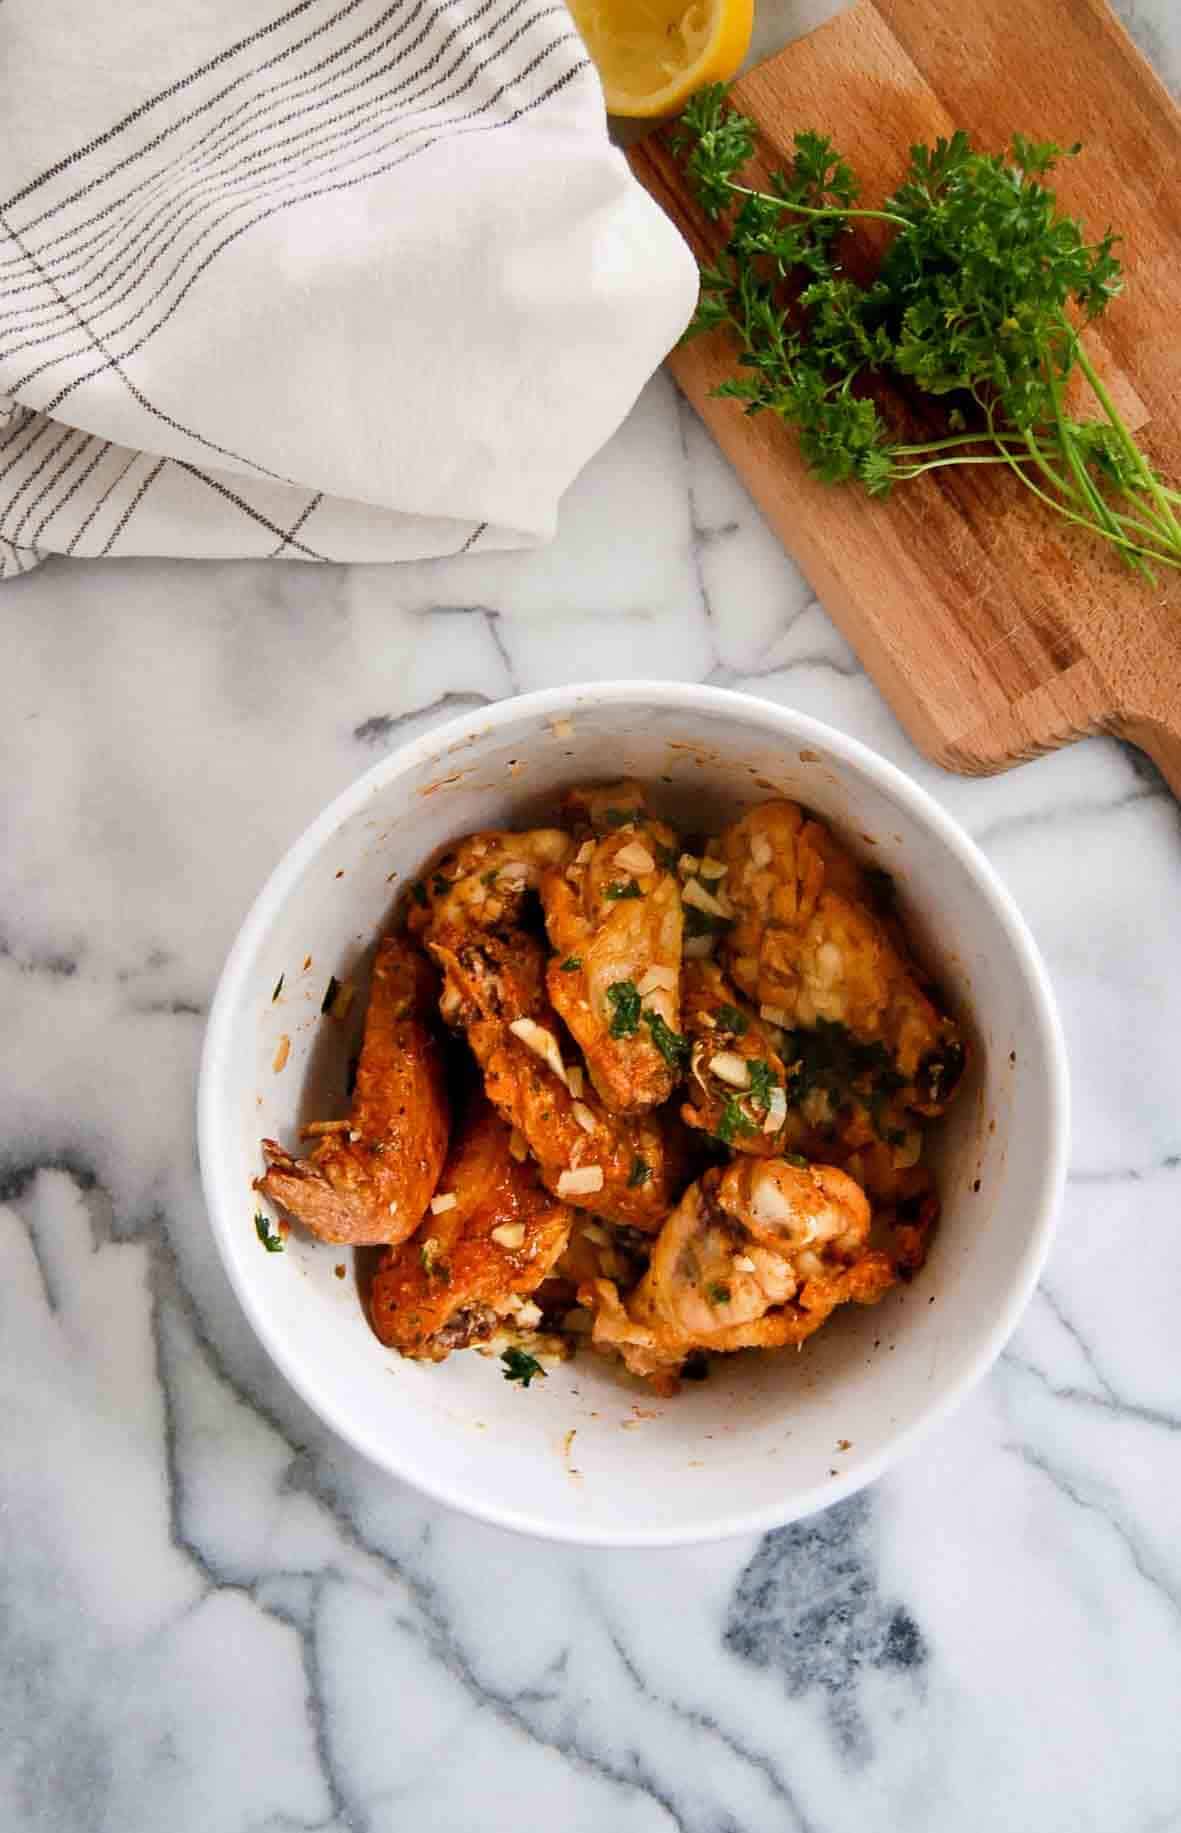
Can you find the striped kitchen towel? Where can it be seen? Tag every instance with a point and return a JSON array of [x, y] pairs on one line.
[[346, 280]]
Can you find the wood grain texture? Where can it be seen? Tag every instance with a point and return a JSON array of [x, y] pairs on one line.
[[995, 630]]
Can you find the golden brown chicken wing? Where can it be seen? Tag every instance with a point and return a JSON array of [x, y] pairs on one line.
[[625, 1167], [491, 1239], [737, 1087], [614, 920], [754, 1257], [481, 882], [808, 950], [370, 1178]]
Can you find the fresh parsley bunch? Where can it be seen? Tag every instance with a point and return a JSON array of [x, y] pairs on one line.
[[979, 300]]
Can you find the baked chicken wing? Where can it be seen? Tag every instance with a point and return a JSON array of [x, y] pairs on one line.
[[624, 1167], [370, 1177], [808, 950], [754, 1257], [481, 882], [614, 920], [492, 1237], [737, 1086]]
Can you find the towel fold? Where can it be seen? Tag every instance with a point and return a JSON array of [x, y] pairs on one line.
[[343, 281]]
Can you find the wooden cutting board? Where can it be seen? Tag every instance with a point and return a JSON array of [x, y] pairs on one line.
[[993, 628]]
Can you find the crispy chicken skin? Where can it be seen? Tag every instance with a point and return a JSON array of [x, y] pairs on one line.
[[370, 1181], [641, 1156], [614, 920], [723, 1029], [754, 1257], [454, 1281], [481, 882], [806, 943]]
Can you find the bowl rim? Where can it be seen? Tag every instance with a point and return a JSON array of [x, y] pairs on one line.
[[214, 1140]]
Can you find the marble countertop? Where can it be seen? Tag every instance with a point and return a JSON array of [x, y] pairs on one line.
[[217, 1619]]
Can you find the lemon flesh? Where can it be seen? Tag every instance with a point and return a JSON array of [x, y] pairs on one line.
[[652, 54]]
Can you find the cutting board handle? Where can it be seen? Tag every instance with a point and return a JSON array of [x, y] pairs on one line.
[[1160, 737]]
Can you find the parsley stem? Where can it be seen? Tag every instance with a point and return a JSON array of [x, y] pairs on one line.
[[838, 210], [1119, 427], [1060, 508]]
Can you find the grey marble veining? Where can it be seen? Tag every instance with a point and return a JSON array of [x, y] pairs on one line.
[[215, 1619]]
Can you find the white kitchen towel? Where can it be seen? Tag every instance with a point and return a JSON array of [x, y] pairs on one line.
[[341, 280]]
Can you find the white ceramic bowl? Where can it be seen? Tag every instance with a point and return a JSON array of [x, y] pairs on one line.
[[588, 1455]]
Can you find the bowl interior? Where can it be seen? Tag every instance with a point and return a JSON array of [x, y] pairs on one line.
[[588, 1453]]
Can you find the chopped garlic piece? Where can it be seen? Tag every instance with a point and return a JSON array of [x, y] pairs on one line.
[[688, 864], [776, 1110], [584, 1117], [581, 1183], [714, 868], [529, 1316], [542, 1043], [775, 1015], [730, 1068], [440, 1205], [760, 852], [635, 858], [742, 1263], [509, 1234], [696, 894]]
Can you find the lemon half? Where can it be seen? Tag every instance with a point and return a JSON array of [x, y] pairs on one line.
[[652, 54]]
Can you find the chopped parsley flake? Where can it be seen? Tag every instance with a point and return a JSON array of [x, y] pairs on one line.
[[732, 1121], [520, 1366], [619, 817], [731, 1019], [718, 1294], [762, 1083], [490, 878], [618, 891], [641, 1171], [667, 856], [440, 885], [262, 1228], [278, 988], [672, 1047], [797, 1159], [624, 1000], [571, 964]]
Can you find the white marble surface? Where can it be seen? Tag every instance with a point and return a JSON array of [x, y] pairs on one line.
[[215, 1618]]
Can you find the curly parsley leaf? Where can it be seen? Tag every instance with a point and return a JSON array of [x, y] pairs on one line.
[[978, 302], [731, 1019], [620, 889]]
